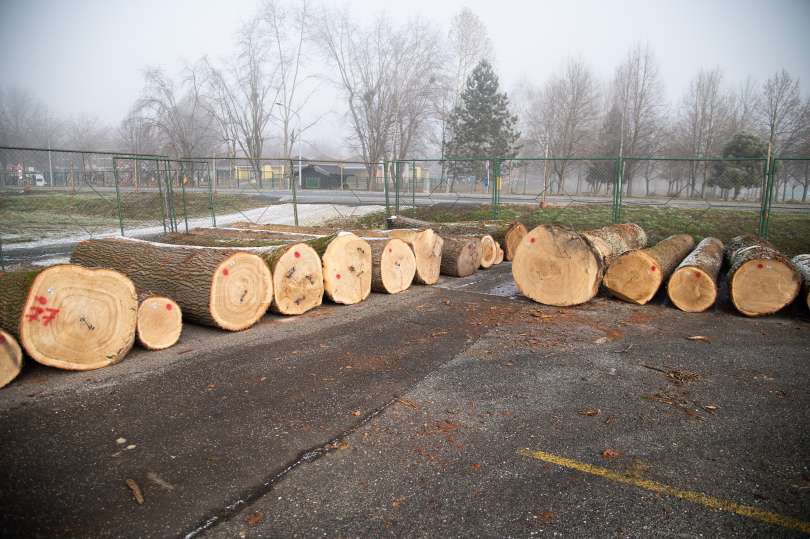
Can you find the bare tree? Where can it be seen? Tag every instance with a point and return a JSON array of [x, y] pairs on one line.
[[88, 133], [743, 104], [24, 121]]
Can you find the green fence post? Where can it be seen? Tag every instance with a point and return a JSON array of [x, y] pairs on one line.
[[160, 191], [211, 180], [397, 172], [294, 188], [413, 184], [385, 188], [494, 179], [183, 191], [118, 195], [767, 196], [617, 190]]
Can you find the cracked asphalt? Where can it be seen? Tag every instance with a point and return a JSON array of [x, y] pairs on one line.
[[410, 415]]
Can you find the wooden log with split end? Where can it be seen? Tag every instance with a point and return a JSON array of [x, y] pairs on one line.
[[693, 285], [461, 256], [224, 288], [499, 258], [489, 251], [70, 317], [393, 265], [10, 358], [160, 322], [636, 275], [802, 263], [761, 280], [557, 266], [427, 247]]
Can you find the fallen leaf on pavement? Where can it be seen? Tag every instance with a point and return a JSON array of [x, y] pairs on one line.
[[699, 338], [600, 340], [356, 413], [545, 516], [475, 466], [611, 453], [255, 518], [589, 412], [710, 408], [136, 491]]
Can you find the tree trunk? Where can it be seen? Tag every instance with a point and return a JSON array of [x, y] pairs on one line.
[[760, 279], [693, 285], [10, 358], [637, 275], [489, 251], [160, 322], [298, 284], [499, 257], [393, 265], [223, 288], [70, 317], [461, 256], [802, 263], [427, 248], [347, 268], [558, 266]]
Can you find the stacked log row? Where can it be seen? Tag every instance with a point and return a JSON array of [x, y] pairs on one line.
[[489, 251], [393, 265], [558, 266], [802, 263], [427, 248], [693, 285], [637, 275], [10, 358], [160, 322], [224, 288], [761, 280], [461, 256], [70, 317]]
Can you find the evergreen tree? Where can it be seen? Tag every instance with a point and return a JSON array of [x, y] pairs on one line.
[[733, 176], [481, 124]]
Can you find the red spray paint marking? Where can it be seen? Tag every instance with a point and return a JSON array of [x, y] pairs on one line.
[[168, 306], [697, 275], [2, 339], [390, 250], [34, 312], [760, 266], [297, 254], [652, 268], [225, 272], [50, 316], [337, 276], [42, 300], [532, 240]]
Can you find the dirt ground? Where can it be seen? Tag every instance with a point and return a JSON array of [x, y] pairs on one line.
[[462, 410]]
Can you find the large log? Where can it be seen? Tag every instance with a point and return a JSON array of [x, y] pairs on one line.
[[760, 279], [70, 317], [637, 275], [224, 288], [558, 266], [427, 248], [10, 358], [347, 267], [297, 275], [693, 285], [802, 263], [461, 256], [512, 238], [489, 251], [160, 322], [393, 265], [499, 258]]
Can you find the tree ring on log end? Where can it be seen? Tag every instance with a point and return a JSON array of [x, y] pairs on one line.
[[397, 266], [692, 290], [763, 286], [160, 322], [489, 251], [298, 280], [10, 358], [241, 291], [347, 269], [634, 276]]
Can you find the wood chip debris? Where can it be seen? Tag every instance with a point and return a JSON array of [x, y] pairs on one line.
[[701, 338], [589, 412], [136, 491]]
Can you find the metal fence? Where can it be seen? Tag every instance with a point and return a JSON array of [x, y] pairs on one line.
[[54, 197]]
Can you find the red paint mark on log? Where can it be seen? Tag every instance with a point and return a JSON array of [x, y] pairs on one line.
[[225, 272], [168, 306], [390, 250], [652, 268], [34, 312], [42, 300], [297, 254], [50, 316], [337, 276], [696, 274], [532, 240], [760, 266], [2, 339]]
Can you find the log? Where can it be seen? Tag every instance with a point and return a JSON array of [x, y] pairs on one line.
[[224, 288], [393, 265], [298, 284], [160, 322], [558, 266], [427, 248], [637, 275], [802, 263], [346, 267], [512, 238], [499, 258], [693, 285], [10, 358], [489, 251], [461, 256], [70, 317], [761, 280]]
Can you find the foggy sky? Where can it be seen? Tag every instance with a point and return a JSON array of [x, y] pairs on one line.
[[88, 56]]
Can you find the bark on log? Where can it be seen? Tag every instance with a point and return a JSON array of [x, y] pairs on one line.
[[461, 256], [224, 288], [393, 265], [489, 251], [10, 358], [637, 275], [760, 279], [693, 285], [160, 322], [70, 317], [427, 248], [557, 266], [802, 263], [499, 258], [512, 238]]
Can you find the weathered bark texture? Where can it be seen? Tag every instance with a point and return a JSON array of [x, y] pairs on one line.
[[461, 256], [693, 285], [224, 288], [70, 317], [637, 275], [160, 322], [558, 266], [760, 279], [489, 251], [802, 263], [10, 358], [393, 265], [427, 247]]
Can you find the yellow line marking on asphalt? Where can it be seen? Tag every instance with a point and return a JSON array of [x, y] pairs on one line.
[[688, 495]]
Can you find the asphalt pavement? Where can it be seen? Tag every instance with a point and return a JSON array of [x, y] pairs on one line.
[[461, 410]]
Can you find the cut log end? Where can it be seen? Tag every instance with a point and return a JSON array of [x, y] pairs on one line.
[[556, 266], [489, 251], [763, 286], [692, 290], [78, 318], [397, 267], [241, 291], [499, 258], [297, 280], [461, 257], [347, 269], [512, 238], [160, 323], [634, 277], [10, 358], [427, 248]]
